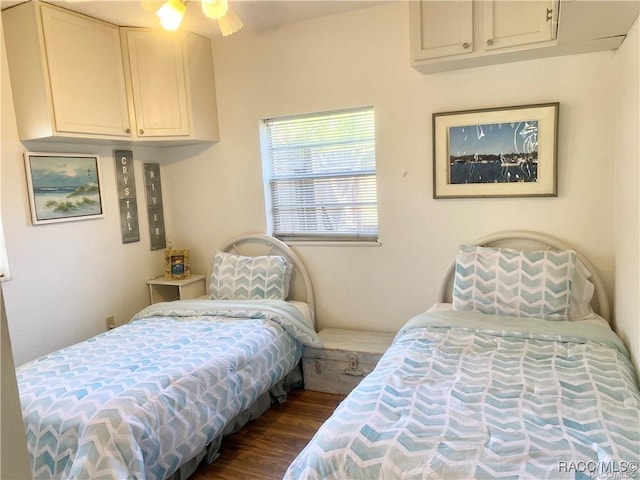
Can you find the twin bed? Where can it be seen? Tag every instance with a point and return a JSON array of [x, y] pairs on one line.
[[152, 398], [514, 374]]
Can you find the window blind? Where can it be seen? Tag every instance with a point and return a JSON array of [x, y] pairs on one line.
[[321, 175]]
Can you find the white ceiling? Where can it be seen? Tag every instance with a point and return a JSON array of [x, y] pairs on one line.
[[255, 14]]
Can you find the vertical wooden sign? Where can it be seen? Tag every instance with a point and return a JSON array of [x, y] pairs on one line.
[[154, 205], [126, 181]]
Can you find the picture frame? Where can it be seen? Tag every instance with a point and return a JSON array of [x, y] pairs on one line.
[[496, 152], [177, 264], [63, 187]]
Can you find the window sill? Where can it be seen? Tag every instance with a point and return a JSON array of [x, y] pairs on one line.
[[332, 243]]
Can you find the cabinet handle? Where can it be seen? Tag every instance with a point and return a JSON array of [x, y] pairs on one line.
[[141, 131], [490, 41], [127, 130], [549, 14], [466, 45]]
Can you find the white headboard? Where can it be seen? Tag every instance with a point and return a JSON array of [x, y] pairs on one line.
[[524, 240], [256, 244]]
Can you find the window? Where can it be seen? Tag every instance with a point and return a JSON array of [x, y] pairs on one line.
[[320, 176]]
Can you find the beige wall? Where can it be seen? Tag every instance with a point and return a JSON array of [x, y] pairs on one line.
[[627, 200], [362, 58]]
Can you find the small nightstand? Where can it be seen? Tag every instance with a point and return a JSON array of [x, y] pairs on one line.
[[161, 290], [346, 357]]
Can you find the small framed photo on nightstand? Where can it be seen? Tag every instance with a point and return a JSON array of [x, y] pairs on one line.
[[176, 264]]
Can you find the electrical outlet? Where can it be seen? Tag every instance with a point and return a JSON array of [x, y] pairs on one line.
[[110, 322]]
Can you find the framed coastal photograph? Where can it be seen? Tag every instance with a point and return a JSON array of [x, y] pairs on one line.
[[496, 152], [63, 187], [177, 265]]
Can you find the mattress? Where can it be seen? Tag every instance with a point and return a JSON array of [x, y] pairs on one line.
[[467, 395], [140, 400]]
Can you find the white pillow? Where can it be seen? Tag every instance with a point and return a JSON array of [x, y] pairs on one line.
[[504, 281], [581, 294]]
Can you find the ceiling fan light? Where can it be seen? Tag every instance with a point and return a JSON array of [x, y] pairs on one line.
[[215, 9], [230, 23], [171, 14]]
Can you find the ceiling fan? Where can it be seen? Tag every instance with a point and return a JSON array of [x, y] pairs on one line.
[[172, 12]]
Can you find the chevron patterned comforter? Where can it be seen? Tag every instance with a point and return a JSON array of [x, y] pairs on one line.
[[140, 400], [466, 395]]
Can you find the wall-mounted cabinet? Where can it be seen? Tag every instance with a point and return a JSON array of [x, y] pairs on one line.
[[170, 81], [66, 74], [76, 77], [443, 29], [513, 24], [449, 35], [156, 78]]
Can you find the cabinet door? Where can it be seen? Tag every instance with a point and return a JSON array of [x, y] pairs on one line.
[[158, 84], [86, 76], [441, 28], [513, 23]]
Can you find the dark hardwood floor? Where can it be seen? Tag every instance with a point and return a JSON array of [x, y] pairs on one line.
[[265, 447]]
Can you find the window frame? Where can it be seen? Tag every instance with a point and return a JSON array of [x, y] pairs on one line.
[[354, 237]]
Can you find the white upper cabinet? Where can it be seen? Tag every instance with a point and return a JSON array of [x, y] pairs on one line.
[[441, 28], [514, 23], [155, 65], [66, 74], [75, 77], [470, 29], [171, 86], [448, 35]]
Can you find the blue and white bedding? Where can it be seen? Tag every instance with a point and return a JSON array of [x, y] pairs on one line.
[[468, 395], [140, 400]]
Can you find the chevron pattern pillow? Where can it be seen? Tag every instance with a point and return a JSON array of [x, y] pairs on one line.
[[503, 281], [237, 277]]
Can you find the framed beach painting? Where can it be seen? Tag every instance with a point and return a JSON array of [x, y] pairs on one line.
[[63, 187], [496, 152]]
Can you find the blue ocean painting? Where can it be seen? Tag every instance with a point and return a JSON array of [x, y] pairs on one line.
[[65, 187], [494, 153]]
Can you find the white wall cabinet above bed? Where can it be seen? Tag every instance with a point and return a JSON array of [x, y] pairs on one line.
[[76, 77], [66, 74], [442, 29], [471, 33], [171, 85]]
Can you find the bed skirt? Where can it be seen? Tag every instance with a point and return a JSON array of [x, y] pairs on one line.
[[277, 394]]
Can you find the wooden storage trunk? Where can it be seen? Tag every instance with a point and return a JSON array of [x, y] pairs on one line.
[[345, 358]]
